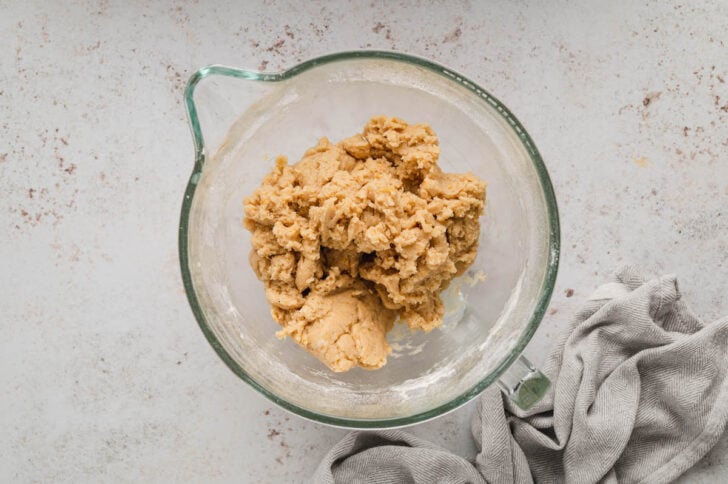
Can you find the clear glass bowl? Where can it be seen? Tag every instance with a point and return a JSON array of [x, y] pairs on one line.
[[242, 119]]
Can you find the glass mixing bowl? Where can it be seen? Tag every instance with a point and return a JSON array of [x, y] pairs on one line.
[[242, 119]]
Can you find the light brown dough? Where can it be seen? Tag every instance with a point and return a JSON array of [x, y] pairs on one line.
[[359, 233]]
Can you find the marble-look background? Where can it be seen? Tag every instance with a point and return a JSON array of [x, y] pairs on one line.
[[104, 374]]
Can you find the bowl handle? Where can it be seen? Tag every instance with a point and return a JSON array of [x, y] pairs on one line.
[[524, 384]]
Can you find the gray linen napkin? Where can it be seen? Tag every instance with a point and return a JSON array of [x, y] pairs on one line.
[[640, 394]]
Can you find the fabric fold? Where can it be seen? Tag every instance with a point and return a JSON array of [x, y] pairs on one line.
[[639, 394]]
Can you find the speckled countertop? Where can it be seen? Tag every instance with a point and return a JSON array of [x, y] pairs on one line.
[[104, 374]]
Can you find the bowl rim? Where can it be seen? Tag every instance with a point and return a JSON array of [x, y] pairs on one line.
[[547, 284]]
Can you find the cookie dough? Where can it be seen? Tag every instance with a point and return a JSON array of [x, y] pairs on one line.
[[359, 233]]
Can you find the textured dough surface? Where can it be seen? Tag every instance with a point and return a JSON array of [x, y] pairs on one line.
[[359, 233]]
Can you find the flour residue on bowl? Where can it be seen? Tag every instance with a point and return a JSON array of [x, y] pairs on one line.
[[454, 299], [400, 340]]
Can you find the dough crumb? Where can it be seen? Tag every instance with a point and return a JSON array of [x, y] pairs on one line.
[[359, 233]]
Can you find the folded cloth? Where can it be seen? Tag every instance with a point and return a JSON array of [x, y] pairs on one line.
[[639, 394]]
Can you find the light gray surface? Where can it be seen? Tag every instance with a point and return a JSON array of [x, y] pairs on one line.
[[104, 375]]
